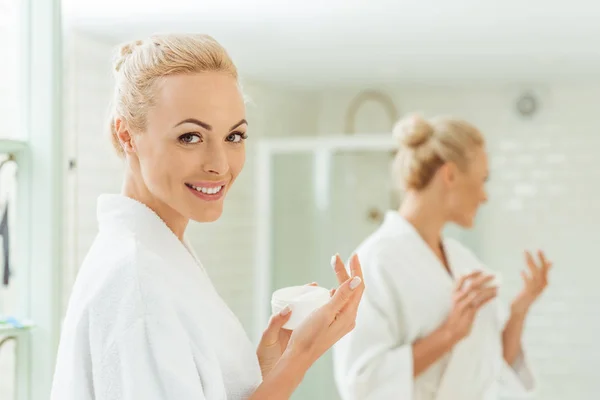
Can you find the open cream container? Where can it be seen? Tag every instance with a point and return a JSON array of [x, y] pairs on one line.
[[303, 300]]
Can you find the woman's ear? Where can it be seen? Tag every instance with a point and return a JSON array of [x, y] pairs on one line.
[[124, 135], [449, 173]]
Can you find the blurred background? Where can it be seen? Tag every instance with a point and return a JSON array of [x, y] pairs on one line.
[[325, 82]]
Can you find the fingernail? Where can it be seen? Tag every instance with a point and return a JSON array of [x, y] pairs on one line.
[[285, 311], [333, 260], [355, 282]]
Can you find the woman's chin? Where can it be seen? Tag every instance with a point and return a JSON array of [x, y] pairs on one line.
[[207, 214], [465, 222], [468, 224]]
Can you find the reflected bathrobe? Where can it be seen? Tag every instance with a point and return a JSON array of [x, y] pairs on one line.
[[144, 321], [408, 295]]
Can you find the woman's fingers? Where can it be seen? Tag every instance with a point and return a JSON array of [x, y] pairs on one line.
[[538, 275], [533, 269], [461, 296], [271, 334], [484, 296], [343, 305], [476, 298], [463, 301], [340, 269], [526, 278], [355, 267], [343, 294], [546, 265], [461, 282], [481, 281], [477, 302], [356, 271], [542, 258]]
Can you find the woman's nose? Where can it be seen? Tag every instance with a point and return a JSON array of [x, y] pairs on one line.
[[215, 160]]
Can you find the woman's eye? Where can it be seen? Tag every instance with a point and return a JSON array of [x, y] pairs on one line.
[[189, 138], [236, 137]]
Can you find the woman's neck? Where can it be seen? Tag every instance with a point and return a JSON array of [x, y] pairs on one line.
[[138, 191], [424, 213]]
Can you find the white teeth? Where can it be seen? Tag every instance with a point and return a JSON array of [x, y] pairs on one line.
[[213, 190]]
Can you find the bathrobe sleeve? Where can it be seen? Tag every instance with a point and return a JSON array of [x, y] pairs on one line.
[[517, 380], [375, 361], [151, 360]]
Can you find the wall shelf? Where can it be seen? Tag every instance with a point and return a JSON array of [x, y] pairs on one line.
[[9, 330], [12, 146]]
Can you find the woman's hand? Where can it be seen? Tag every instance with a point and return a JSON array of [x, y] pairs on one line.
[[321, 330], [534, 283], [334, 320], [471, 293], [274, 340]]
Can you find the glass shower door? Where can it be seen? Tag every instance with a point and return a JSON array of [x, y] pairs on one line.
[[324, 202]]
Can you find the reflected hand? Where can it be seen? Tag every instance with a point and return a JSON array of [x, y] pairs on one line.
[[471, 293], [535, 282]]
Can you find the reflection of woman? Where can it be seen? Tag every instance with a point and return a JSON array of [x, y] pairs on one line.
[[144, 321], [430, 326]]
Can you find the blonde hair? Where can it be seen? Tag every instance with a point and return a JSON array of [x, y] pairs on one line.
[[139, 65], [427, 145]]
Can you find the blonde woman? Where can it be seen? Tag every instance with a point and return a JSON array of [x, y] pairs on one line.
[[144, 321], [430, 326]]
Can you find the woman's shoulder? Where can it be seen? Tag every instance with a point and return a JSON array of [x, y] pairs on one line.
[[116, 258], [383, 243], [386, 256], [111, 284]]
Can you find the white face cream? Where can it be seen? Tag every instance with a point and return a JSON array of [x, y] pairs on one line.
[[303, 300]]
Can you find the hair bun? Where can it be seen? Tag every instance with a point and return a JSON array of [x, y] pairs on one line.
[[413, 131], [125, 51]]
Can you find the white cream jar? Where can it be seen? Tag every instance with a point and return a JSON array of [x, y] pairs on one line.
[[303, 300]]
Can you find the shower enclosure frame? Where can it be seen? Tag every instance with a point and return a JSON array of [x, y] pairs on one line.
[[323, 148]]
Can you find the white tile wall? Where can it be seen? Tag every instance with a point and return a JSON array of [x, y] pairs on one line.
[[544, 182], [97, 169]]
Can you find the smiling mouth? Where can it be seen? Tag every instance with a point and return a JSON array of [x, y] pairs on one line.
[[210, 191]]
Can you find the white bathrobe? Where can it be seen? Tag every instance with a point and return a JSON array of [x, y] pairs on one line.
[[144, 321], [408, 295]]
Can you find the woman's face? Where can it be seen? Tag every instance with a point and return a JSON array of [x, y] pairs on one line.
[[193, 148], [467, 190]]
